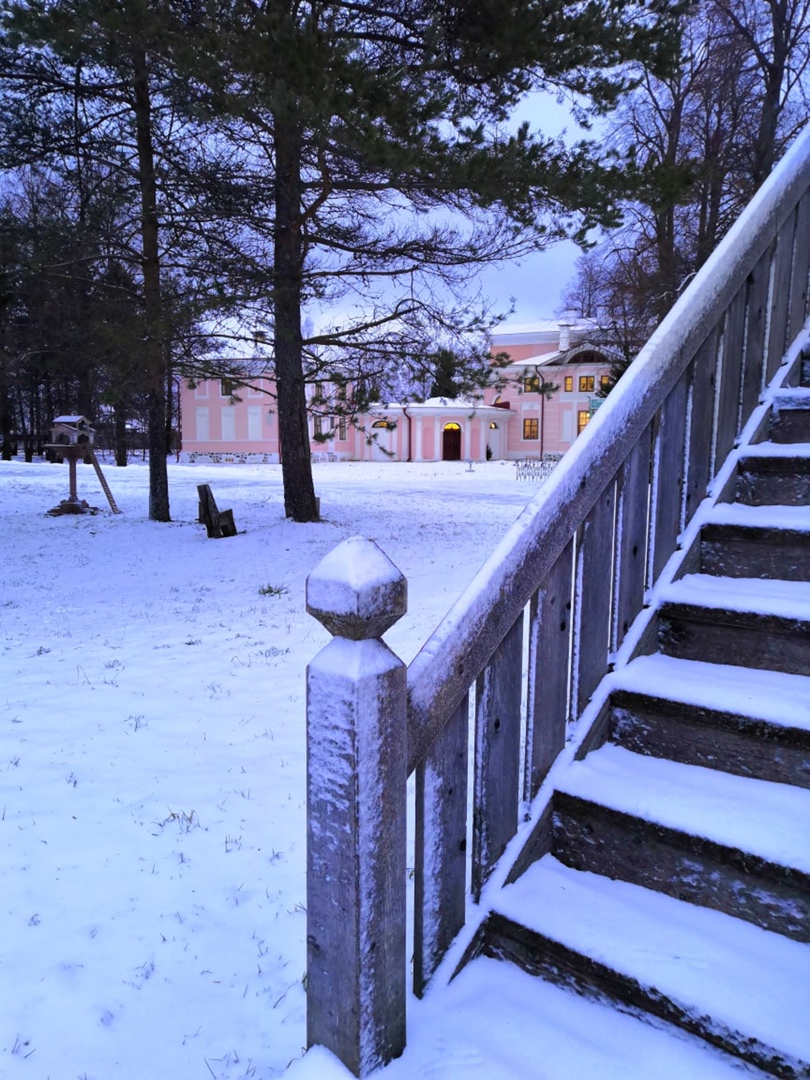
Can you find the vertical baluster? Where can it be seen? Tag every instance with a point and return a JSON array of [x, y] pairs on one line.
[[632, 527], [780, 295], [668, 478], [549, 654], [497, 756], [730, 378], [703, 374], [440, 886], [756, 325], [801, 269], [592, 594]]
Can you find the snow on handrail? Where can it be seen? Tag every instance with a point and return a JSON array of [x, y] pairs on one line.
[[460, 647]]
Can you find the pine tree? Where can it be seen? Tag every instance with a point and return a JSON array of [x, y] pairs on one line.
[[379, 171]]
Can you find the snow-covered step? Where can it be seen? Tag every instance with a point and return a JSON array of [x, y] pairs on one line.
[[495, 1022], [765, 450], [791, 397], [790, 416], [775, 517], [774, 473], [787, 599], [741, 720], [774, 696], [736, 985], [748, 622], [755, 551], [728, 842]]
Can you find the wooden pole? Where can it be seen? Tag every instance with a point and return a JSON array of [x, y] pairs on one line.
[[356, 811], [73, 495]]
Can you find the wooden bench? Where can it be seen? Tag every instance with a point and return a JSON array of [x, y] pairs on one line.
[[217, 522]]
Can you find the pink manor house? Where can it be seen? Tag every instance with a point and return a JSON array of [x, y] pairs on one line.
[[224, 421]]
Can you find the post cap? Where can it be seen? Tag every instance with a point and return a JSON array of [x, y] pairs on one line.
[[356, 591]]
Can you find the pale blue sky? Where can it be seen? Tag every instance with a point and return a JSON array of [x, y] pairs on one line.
[[537, 284]]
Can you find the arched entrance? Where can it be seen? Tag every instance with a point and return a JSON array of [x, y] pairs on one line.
[[493, 447], [451, 442], [381, 440]]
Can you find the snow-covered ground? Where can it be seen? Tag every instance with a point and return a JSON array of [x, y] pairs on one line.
[[152, 766], [152, 785]]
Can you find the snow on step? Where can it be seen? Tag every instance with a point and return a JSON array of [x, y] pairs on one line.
[[789, 599], [791, 397], [773, 450], [763, 517], [746, 979], [495, 1022], [774, 696], [758, 816]]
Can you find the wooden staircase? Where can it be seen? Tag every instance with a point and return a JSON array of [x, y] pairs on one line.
[[675, 881], [608, 733]]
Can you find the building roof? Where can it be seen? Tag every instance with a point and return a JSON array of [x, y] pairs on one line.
[[439, 404], [567, 356], [544, 331]]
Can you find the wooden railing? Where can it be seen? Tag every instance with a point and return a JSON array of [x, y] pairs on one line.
[[572, 573]]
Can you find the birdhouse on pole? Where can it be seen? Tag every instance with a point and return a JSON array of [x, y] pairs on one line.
[[72, 431], [72, 439]]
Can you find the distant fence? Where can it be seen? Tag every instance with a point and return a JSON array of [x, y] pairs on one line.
[[535, 468]]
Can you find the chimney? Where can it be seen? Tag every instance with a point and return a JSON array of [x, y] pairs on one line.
[[565, 336]]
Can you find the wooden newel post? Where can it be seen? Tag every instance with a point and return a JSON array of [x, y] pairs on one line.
[[356, 811]]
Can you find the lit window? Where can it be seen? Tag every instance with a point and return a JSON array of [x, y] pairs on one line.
[[531, 428], [531, 384], [604, 382], [493, 426], [583, 417], [586, 383], [569, 383]]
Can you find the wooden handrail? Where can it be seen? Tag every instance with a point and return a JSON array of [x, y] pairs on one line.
[[441, 673]]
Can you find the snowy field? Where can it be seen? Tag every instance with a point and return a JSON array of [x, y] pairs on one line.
[[152, 768]]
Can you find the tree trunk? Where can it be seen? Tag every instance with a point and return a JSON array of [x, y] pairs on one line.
[[155, 373], [120, 433], [296, 464], [765, 149], [5, 416], [37, 424], [169, 418]]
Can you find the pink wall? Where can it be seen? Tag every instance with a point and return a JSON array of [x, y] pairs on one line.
[[254, 423]]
